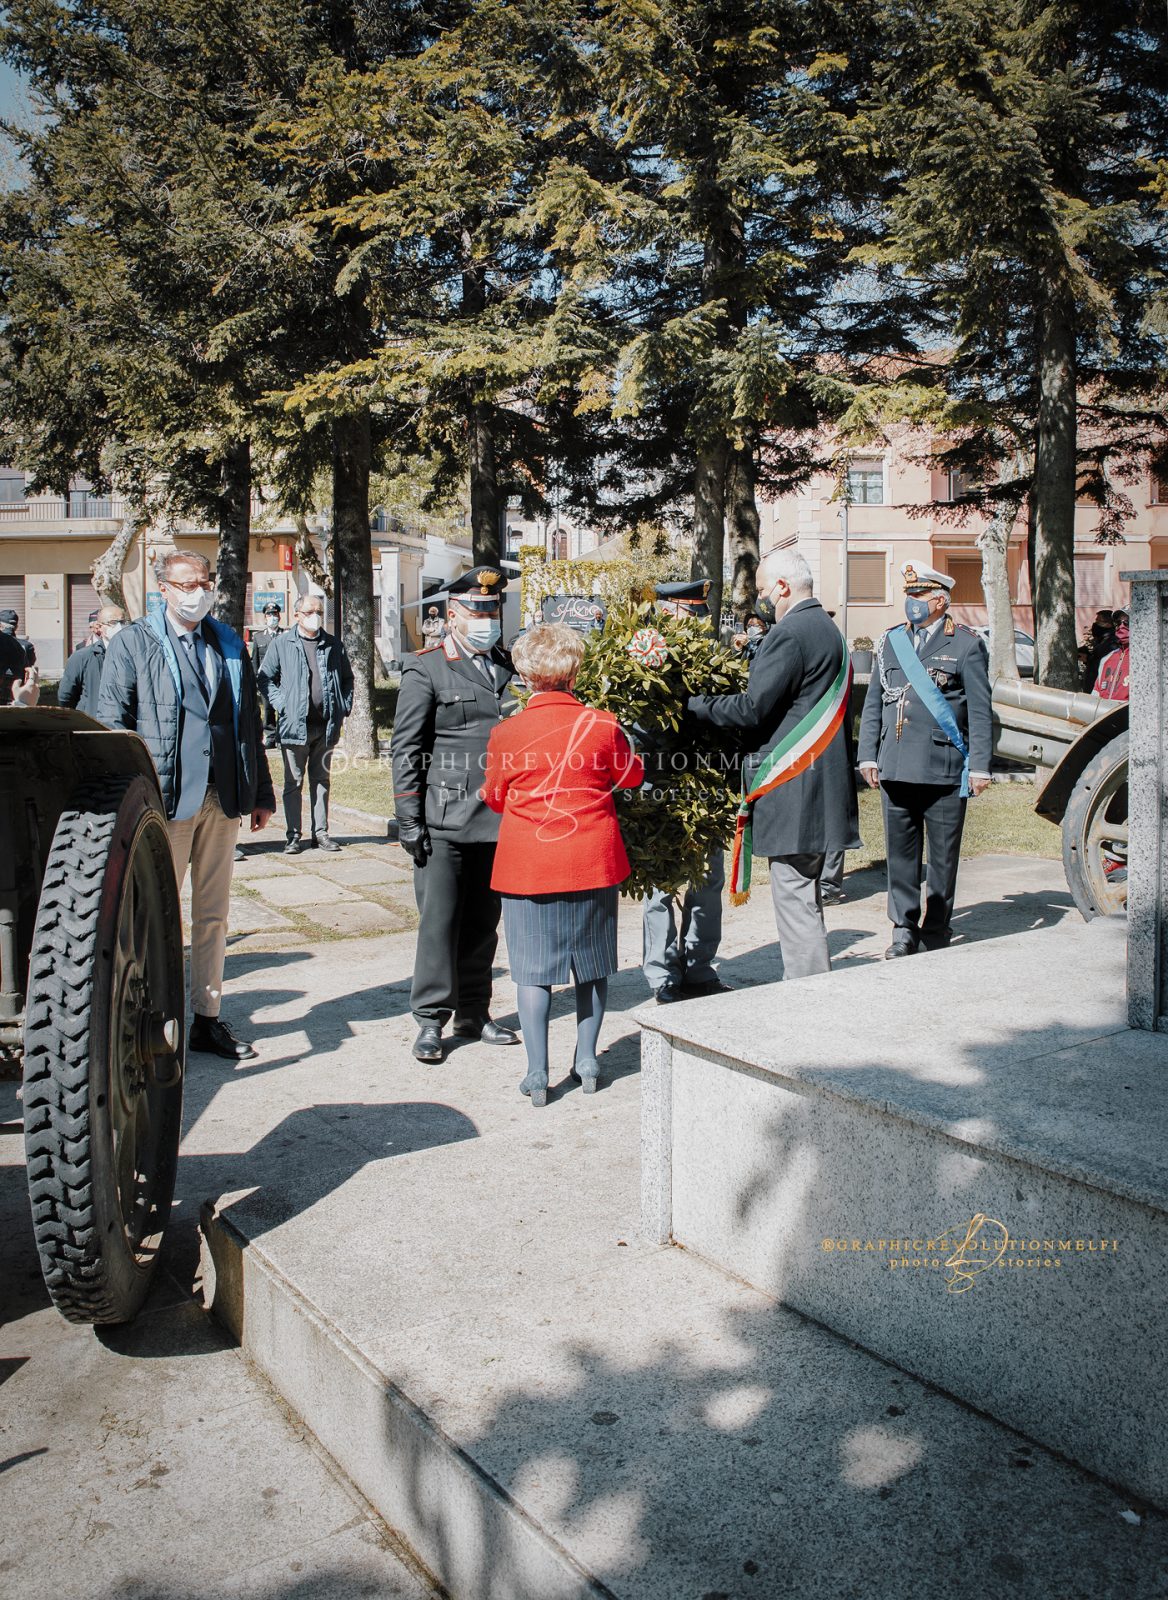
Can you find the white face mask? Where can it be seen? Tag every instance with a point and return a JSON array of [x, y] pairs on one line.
[[111, 628], [310, 622], [483, 635], [190, 607]]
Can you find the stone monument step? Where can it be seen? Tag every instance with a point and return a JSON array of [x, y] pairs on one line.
[[956, 1160], [545, 1405]]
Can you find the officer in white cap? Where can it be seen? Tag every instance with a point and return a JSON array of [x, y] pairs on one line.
[[926, 737]]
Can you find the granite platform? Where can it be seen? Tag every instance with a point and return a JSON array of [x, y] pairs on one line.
[[956, 1160], [454, 1293]]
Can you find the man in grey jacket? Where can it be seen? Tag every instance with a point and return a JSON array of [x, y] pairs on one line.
[[307, 680], [184, 682]]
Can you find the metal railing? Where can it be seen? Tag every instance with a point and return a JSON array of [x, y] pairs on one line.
[[57, 509]]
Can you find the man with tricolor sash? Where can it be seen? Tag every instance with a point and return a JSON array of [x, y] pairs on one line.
[[798, 788], [926, 737]]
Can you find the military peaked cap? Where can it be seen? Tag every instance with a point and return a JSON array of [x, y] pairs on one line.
[[691, 595], [478, 587]]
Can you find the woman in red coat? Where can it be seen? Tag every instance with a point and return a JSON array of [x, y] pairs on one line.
[[560, 859]]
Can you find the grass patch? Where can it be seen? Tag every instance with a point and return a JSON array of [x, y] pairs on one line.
[[362, 783]]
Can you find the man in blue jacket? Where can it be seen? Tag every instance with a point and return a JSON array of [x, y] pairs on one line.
[[184, 683], [307, 680]]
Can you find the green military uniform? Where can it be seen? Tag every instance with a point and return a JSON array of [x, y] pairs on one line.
[[450, 699]]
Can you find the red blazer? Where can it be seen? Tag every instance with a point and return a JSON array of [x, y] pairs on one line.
[[551, 771]]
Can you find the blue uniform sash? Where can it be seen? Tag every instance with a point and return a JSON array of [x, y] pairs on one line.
[[930, 697]]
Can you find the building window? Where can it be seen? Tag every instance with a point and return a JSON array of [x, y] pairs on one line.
[[962, 483], [866, 483], [11, 487], [1160, 488], [966, 573], [867, 574]]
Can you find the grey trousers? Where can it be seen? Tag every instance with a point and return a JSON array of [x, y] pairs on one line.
[[832, 876], [666, 958], [799, 914], [314, 759]]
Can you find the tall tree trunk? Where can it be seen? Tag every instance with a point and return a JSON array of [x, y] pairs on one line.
[[310, 557], [110, 566], [231, 562], [742, 527], [710, 520], [994, 542], [484, 486], [1056, 658], [353, 571]]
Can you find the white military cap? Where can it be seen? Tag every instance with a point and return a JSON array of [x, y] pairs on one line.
[[918, 576]]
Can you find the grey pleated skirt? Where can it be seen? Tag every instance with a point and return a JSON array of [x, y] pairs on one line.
[[552, 937]]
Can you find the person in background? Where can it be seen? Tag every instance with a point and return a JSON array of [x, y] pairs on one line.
[[17, 657], [184, 682], [307, 679], [262, 640], [432, 628], [793, 723], [1100, 642], [925, 742], [81, 679], [450, 698], [752, 635], [679, 963], [551, 772], [14, 665], [1114, 669]]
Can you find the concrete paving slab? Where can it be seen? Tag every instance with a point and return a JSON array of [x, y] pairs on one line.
[[305, 890], [545, 1410], [246, 915], [359, 917], [365, 868]]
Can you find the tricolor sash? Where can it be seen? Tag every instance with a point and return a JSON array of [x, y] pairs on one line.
[[930, 697], [794, 753]]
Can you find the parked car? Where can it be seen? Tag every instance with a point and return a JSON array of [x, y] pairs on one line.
[[1023, 650]]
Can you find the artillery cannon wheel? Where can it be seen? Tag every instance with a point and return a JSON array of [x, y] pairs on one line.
[[103, 1051], [1095, 833]]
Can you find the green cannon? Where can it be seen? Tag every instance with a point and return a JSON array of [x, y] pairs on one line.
[[1079, 744], [91, 1001]]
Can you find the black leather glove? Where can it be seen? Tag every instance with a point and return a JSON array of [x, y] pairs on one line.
[[416, 843]]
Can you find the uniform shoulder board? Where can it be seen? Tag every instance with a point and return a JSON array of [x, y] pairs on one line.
[[428, 650]]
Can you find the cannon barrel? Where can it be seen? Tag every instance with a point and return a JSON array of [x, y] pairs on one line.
[[1036, 725]]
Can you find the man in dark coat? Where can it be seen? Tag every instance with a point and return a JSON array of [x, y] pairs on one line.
[[262, 640], [307, 679], [906, 753], [81, 680], [451, 696], [14, 662], [796, 823], [184, 682]]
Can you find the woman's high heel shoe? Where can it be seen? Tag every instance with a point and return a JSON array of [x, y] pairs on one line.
[[589, 1077], [536, 1089]]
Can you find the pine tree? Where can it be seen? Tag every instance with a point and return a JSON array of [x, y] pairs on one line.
[[1022, 243]]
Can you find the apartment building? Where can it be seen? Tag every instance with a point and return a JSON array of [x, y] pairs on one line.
[[48, 545], [879, 532]]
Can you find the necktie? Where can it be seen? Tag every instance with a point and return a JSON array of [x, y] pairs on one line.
[[196, 649], [484, 667], [918, 639]]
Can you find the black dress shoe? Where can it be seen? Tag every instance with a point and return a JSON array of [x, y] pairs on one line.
[[900, 947], [293, 847], [324, 842], [484, 1030], [239, 855], [428, 1044], [831, 897], [211, 1036], [668, 994], [692, 991]]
